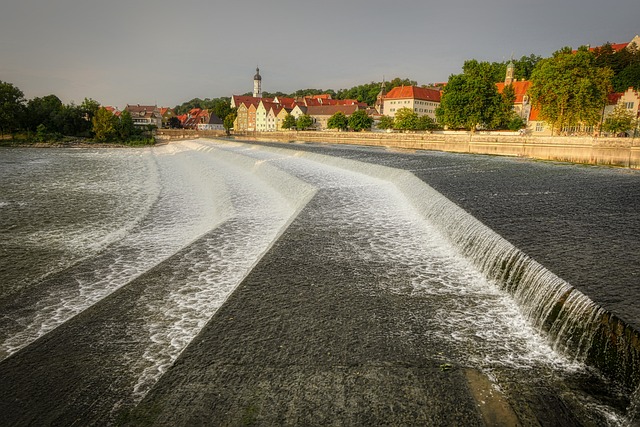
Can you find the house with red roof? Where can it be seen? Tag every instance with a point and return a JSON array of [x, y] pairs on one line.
[[629, 100], [262, 111], [166, 113], [214, 123], [617, 47], [195, 117], [113, 110], [423, 101], [145, 115], [322, 113]]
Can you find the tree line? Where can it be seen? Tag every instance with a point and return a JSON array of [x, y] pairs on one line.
[[366, 93], [570, 88], [47, 119]]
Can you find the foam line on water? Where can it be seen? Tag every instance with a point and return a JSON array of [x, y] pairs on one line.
[[540, 295], [192, 202], [266, 201]]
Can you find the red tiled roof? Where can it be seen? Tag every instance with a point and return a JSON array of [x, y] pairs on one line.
[[414, 92], [616, 47], [321, 96], [330, 110], [248, 100], [533, 115], [520, 89], [613, 98]]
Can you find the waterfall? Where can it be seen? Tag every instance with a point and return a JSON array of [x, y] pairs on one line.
[[574, 324]]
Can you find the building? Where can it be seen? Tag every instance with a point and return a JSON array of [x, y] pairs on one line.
[[379, 104], [145, 115], [242, 118], [214, 123], [251, 117], [321, 113], [262, 111], [423, 101], [281, 113], [617, 47], [196, 117], [166, 113], [257, 84], [521, 103], [629, 100]]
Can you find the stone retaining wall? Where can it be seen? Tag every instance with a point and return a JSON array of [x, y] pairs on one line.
[[621, 152]]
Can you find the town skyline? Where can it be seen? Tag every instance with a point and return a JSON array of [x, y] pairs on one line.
[[148, 53]]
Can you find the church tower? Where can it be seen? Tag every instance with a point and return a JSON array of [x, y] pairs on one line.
[[379, 105], [510, 77], [257, 84]]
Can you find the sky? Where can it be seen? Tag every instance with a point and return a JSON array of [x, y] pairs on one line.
[[168, 52]]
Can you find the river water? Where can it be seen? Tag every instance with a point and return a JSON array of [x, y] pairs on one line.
[[181, 226]]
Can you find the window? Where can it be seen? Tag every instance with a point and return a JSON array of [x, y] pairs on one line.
[[628, 105], [539, 127]]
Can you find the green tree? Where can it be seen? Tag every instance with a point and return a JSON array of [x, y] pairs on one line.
[[124, 127], [71, 120], [426, 123], [11, 108], [89, 107], [174, 123], [569, 88], [516, 123], [221, 107], [104, 125], [406, 119], [229, 120], [360, 120], [304, 122], [338, 121], [42, 111], [620, 120], [289, 122], [385, 122], [41, 133], [368, 92], [470, 99], [628, 77], [503, 109]]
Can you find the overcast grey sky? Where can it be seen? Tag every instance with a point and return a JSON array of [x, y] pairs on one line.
[[168, 52]]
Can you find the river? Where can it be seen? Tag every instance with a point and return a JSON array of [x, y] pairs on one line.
[[205, 280]]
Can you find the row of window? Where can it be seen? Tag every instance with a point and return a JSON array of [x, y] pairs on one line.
[[577, 129], [414, 102]]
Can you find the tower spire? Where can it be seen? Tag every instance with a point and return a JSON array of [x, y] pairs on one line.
[[257, 84], [510, 76]]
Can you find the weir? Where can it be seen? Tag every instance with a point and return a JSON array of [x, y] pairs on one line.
[[574, 324]]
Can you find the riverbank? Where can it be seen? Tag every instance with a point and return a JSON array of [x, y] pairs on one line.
[[84, 143], [617, 152]]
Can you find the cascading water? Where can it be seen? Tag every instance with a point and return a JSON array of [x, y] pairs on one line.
[[222, 206], [574, 324]]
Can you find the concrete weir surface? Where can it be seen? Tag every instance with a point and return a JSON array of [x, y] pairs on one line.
[[321, 297]]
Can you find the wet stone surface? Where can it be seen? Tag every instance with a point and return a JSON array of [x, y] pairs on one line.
[[354, 316], [581, 222]]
